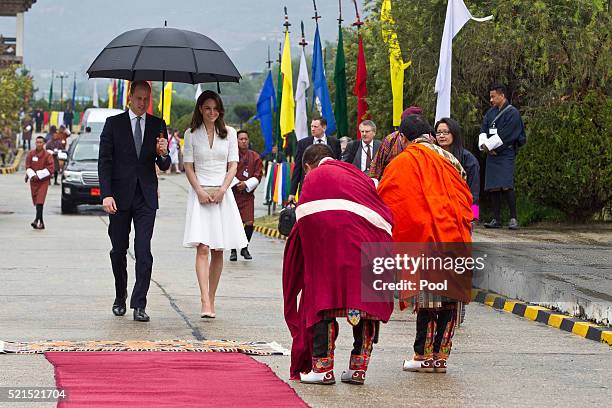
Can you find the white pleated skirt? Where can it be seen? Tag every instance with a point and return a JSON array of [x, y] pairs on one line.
[[217, 225]]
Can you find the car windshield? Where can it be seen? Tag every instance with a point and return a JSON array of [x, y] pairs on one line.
[[86, 151]]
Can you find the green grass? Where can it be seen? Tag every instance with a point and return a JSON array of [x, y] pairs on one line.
[[269, 221]]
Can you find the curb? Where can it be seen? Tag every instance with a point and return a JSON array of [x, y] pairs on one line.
[[541, 314], [269, 232], [13, 167]]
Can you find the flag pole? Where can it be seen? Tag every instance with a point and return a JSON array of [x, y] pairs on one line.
[[357, 23]]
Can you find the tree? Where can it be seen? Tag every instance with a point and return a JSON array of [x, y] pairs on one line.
[[551, 54], [244, 112], [16, 93]]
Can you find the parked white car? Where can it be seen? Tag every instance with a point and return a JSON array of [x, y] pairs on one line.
[[96, 117]]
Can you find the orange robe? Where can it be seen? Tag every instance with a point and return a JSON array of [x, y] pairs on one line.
[[429, 199]]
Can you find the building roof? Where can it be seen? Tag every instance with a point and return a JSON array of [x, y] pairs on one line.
[[12, 7]]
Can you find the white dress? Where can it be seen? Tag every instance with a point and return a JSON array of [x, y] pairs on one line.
[[217, 225]]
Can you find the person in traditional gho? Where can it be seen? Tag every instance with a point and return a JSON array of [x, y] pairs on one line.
[[55, 145], [39, 168], [501, 135], [338, 207], [425, 189], [392, 145], [250, 169]]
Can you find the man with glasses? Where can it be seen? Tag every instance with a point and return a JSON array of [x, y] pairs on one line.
[[360, 152]]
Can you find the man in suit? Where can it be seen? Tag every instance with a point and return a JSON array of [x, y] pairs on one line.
[[131, 144], [317, 129], [360, 152]]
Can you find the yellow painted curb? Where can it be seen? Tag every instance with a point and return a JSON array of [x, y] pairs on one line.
[[13, 168], [581, 328], [531, 312], [606, 337], [555, 320]]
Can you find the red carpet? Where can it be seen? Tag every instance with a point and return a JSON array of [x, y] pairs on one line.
[[157, 379]]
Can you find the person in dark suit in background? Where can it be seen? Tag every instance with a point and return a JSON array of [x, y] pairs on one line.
[[131, 144], [360, 152], [317, 129]]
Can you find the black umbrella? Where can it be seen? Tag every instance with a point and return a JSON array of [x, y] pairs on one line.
[[164, 54]]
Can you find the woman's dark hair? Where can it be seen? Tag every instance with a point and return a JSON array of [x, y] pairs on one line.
[[315, 153], [456, 148], [197, 119]]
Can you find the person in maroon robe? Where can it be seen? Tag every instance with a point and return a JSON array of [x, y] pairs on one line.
[[39, 168], [338, 208], [249, 174], [56, 145]]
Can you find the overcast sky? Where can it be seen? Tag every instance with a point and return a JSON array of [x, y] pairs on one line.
[[66, 35]]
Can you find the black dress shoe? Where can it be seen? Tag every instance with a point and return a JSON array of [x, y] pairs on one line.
[[140, 315], [233, 256], [119, 309], [245, 253], [33, 224], [40, 225]]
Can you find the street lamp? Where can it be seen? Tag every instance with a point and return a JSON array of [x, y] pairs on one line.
[[61, 77]]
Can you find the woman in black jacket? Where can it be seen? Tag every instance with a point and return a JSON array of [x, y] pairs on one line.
[[448, 136]]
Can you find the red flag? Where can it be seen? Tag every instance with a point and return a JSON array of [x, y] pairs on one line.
[[46, 116], [150, 109], [115, 104], [361, 90]]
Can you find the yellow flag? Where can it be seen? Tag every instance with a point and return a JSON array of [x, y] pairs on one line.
[[53, 121], [111, 98], [167, 95], [396, 62], [287, 118]]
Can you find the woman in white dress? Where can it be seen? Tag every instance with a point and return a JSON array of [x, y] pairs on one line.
[[213, 222]]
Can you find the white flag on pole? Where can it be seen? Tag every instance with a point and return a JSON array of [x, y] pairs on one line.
[[96, 100], [303, 83], [198, 92], [457, 14]]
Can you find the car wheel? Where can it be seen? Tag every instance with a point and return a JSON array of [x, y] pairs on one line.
[[68, 207]]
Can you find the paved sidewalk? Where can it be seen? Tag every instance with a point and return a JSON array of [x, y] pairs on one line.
[[57, 284]]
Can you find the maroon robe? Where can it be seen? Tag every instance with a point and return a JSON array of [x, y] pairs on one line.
[[249, 166], [322, 260], [38, 187]]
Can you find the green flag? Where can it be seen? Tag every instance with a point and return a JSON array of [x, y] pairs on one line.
[[51, 92], [340, 110]]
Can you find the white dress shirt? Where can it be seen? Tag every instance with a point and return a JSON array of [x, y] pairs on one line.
[[324, 140], [143, 121], [364, 153]]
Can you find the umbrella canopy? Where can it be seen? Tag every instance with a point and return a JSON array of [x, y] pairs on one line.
[[164, 54]]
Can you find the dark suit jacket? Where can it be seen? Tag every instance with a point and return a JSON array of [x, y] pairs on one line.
[[120, 169], [352, 153], [298, 173]]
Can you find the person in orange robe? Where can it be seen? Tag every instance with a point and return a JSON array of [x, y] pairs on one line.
[[37, 161], [425, 188]]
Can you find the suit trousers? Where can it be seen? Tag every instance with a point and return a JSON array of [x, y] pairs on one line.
[[119, 229]]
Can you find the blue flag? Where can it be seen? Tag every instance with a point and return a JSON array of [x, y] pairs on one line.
[[73, 93], [266, 104], [320, 95]]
